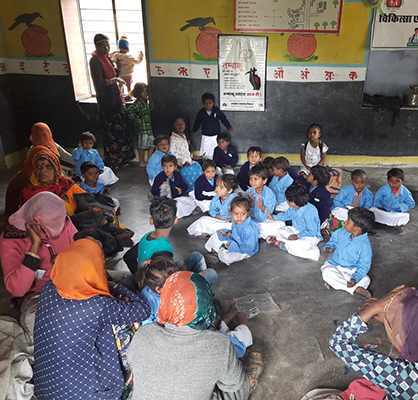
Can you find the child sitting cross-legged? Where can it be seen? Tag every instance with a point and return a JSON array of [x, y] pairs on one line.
[[254, 155], [169, 183], [393, 200], [204, 186], [225, 155], [241, 241], [298, 229], [219, 208], [162, 146], [280, 182], [349, 254]]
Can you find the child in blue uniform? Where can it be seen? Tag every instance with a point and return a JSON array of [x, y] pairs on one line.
[[254, 155], [298, 231], [241, 241], [219, 208], [280, 182], [349, 254], [92, 183], [162, 146], [208, 117], [393, 200], [170, 183], [204, 186], [225, 155]]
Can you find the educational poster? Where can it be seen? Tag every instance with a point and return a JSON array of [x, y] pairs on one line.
[[397, 27], [309, 16], [242, 72]]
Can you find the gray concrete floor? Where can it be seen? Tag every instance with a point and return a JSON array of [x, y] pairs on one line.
[[294, 342]]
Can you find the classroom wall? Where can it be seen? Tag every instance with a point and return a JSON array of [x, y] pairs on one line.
[[40, 89]]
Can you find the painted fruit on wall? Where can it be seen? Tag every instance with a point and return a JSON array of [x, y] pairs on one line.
[[301, 47]]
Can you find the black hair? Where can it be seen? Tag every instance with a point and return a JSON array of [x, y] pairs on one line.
[[154, 272], [168, 158], [297, 193], [86, 165], [223, 136], [219, 313], [207, 164], [229, 181], [315, 126], [363, 218], [87, 136], [281, 163], [255, 149], [172, 120], [357, 173], [321, 174], [208, 96], [159, 139], [268, 161], [241, 202], [396, 173], [138, 89], [260, 170], [163, 212]]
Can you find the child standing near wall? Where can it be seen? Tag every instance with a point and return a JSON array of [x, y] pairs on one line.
[[162, 145], [254, 155], [393, 200], [208, 117], [140, 114], [280, 182], [205, 185], [313, 151], [225, 155]]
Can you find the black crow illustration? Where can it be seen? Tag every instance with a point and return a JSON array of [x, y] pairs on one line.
[[25, 19], [199, 22]]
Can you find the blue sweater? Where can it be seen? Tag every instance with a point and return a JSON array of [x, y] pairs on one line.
[[154, 164], [203, 185], [210, 123], [80, 155], [243, 177], [269, 201], [346, 196], [100, 187], [305, 220], [153, 300], [176, 181], [351, 253], [222, 158], [243, 239], [279, 187], [222, 209], [384, 198]]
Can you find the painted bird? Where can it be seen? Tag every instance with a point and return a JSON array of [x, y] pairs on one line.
[[25, 19], [199, 22]]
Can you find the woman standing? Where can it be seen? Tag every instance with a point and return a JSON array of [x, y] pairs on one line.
[[117, 145]]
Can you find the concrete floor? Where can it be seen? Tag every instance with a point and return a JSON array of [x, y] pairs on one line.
[[294, 342]]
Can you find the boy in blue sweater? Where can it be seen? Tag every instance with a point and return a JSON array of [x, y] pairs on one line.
[[280, 182], [393, 200], [349, 254], [298, 231], [162, 146], [254, 155], [204, 186], [225, 155], [208, 117]]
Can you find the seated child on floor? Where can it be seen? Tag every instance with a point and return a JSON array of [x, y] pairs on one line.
[[262, 198], [241, 241], [393, 200], [162, 146], [254, 155], [354, 195], [313, 151], [298, 232], [85, 152], [204, 186], [225, 155], [280, 182], [349, 254], [170, 183], [219, 208], [268, 162]]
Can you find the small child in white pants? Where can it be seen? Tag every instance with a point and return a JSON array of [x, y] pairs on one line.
[[349, 254]]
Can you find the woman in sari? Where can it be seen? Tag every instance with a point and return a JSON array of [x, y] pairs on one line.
[[76, 354], [117, 144], [38, 231]]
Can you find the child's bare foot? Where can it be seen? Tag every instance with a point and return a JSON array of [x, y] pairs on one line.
[[204, 235], [363, 292], [143, 164], [327, 286], [271, 240], [400, 228]]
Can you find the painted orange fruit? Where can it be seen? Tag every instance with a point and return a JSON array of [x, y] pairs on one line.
[[301, 46], [36, 41], [207, 42]]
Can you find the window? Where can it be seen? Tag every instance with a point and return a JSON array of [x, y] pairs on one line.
[[114, 18]]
